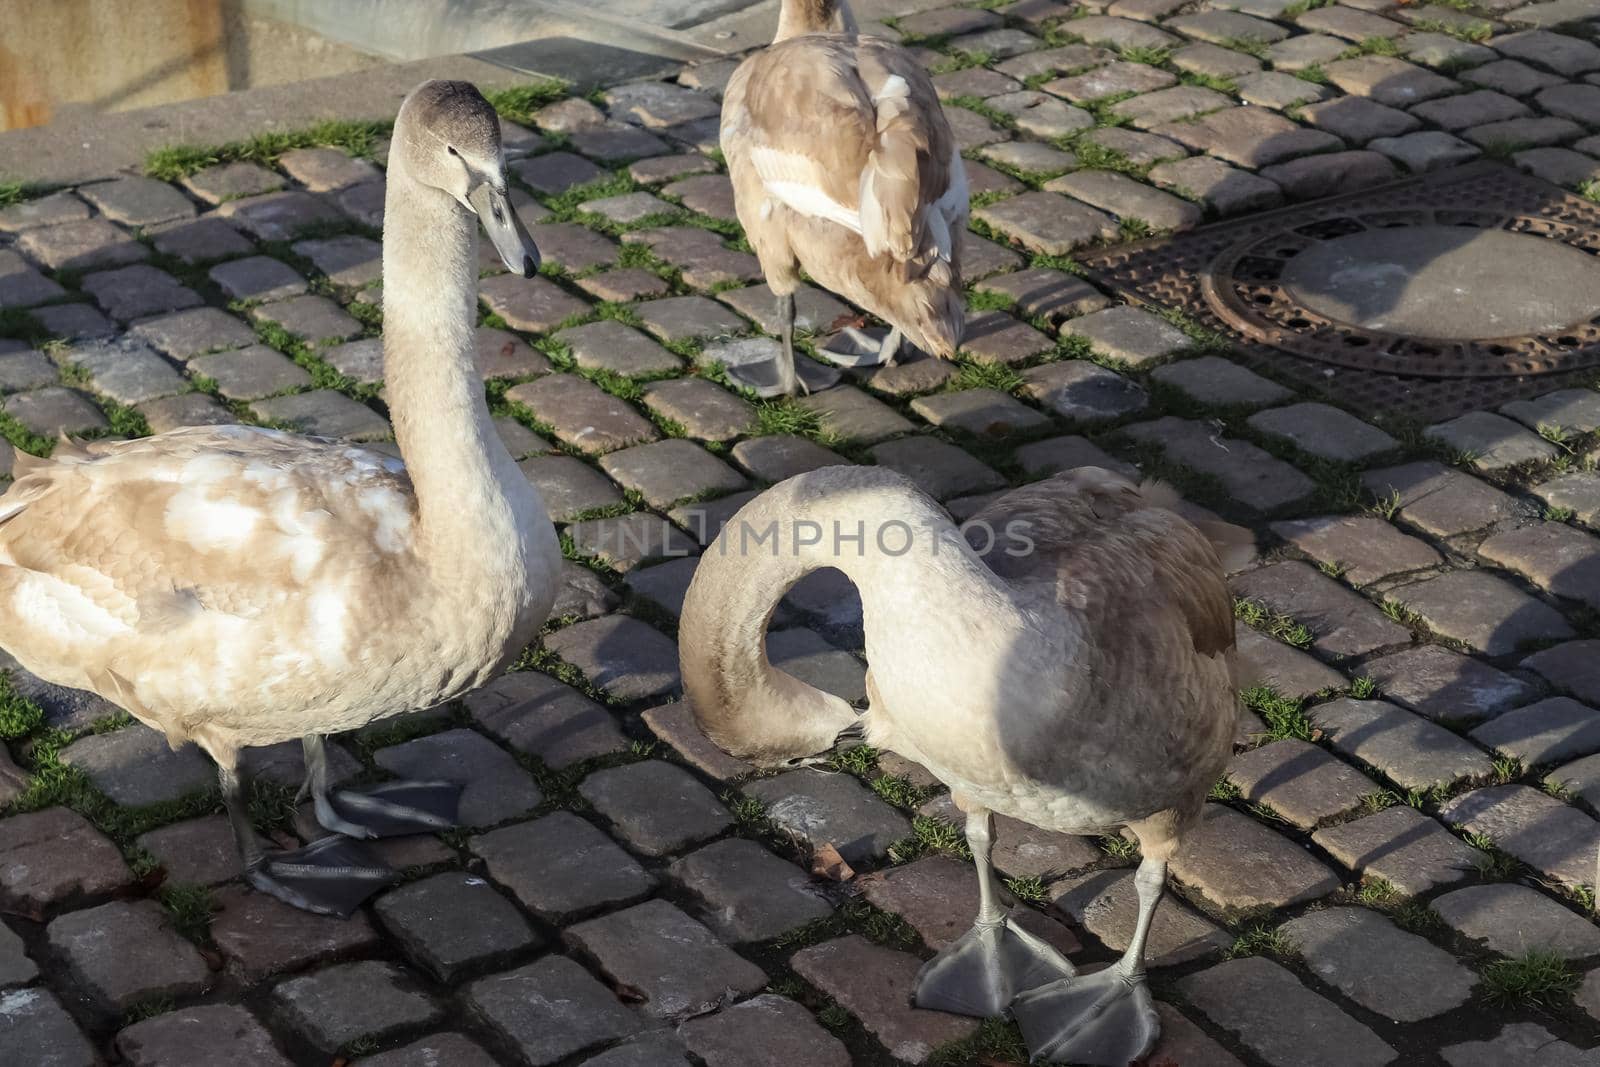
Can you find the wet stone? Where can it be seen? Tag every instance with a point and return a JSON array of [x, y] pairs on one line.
[[452, 922], [1082, 391], [764, 1031], [1551, 731], [261, 936], [1045, 222], [831, 809], [1250, 475], [1279, 1019], [939, 469], [1439, 500], [1413, 752], [1341, 623], [202, 1036], [1299, 781], [1222, 188], [1511, 919], [657, 807], [1552, 837], [258, 278], [21, 285], [496, 788], [35, 1025], [251, 373], [875, 984], [86, 245], [1365, 548], [342, 1004], [747, 893], [1426, 150], [1359, 120], [279, 216], [185, 334], [550, 1010], [1487, 613], [581, 414], [124, 952], [134, 766], [1236, 862], [560, 865], [325, 413], [624, 657], [535, 714], [679, 966], [1573, 667], [1402, 847]]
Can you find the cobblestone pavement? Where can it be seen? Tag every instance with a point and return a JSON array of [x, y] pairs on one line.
[[1397, 867]]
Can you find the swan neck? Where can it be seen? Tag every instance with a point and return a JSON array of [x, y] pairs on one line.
[[469, 491], [901, 551], [798, 17]]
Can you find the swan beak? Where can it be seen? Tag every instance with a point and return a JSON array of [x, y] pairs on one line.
[[505, 229]]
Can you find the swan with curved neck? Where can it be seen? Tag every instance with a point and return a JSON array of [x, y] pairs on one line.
[[1076, 674], [237, 587]]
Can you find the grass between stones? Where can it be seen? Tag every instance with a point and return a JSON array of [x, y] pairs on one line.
[[1282, 715], [174, 162], [1538, 977]]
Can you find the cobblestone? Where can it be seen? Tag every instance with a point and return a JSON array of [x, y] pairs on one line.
[[122, 953], [1553, 838], [1402, 847], [1235, 862], [1397, 975], [1487, 613]]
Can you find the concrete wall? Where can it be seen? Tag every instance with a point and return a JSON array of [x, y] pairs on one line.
[[61, 56]]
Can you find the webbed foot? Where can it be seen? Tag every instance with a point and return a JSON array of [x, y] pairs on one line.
[[391, 809], [987, 968], [330, 876], [1106, 1019]]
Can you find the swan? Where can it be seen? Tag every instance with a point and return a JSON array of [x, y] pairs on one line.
[[1072, 667], [236, 586], [842, 162]]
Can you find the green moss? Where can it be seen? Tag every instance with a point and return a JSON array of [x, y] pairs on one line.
[[173, 162], [519, 103]]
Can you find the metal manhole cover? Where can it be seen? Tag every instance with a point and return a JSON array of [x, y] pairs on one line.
[[1429, 297]]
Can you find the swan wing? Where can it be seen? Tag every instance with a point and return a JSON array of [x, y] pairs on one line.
[[206, 567]]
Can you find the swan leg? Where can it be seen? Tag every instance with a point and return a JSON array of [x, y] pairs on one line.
[[891, 348], [994, 961], [853, 347], [1106, 1018], [331, 876], [390, 809]]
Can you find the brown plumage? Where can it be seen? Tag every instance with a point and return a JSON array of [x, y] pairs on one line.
[[1068, 662], [843, 165]]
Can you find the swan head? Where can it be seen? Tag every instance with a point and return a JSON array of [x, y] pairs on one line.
[[448, 136]]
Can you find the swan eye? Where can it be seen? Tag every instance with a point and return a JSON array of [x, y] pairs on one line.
[[451, 149]]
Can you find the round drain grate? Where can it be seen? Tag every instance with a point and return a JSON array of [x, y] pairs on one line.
[[1442, 293]]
